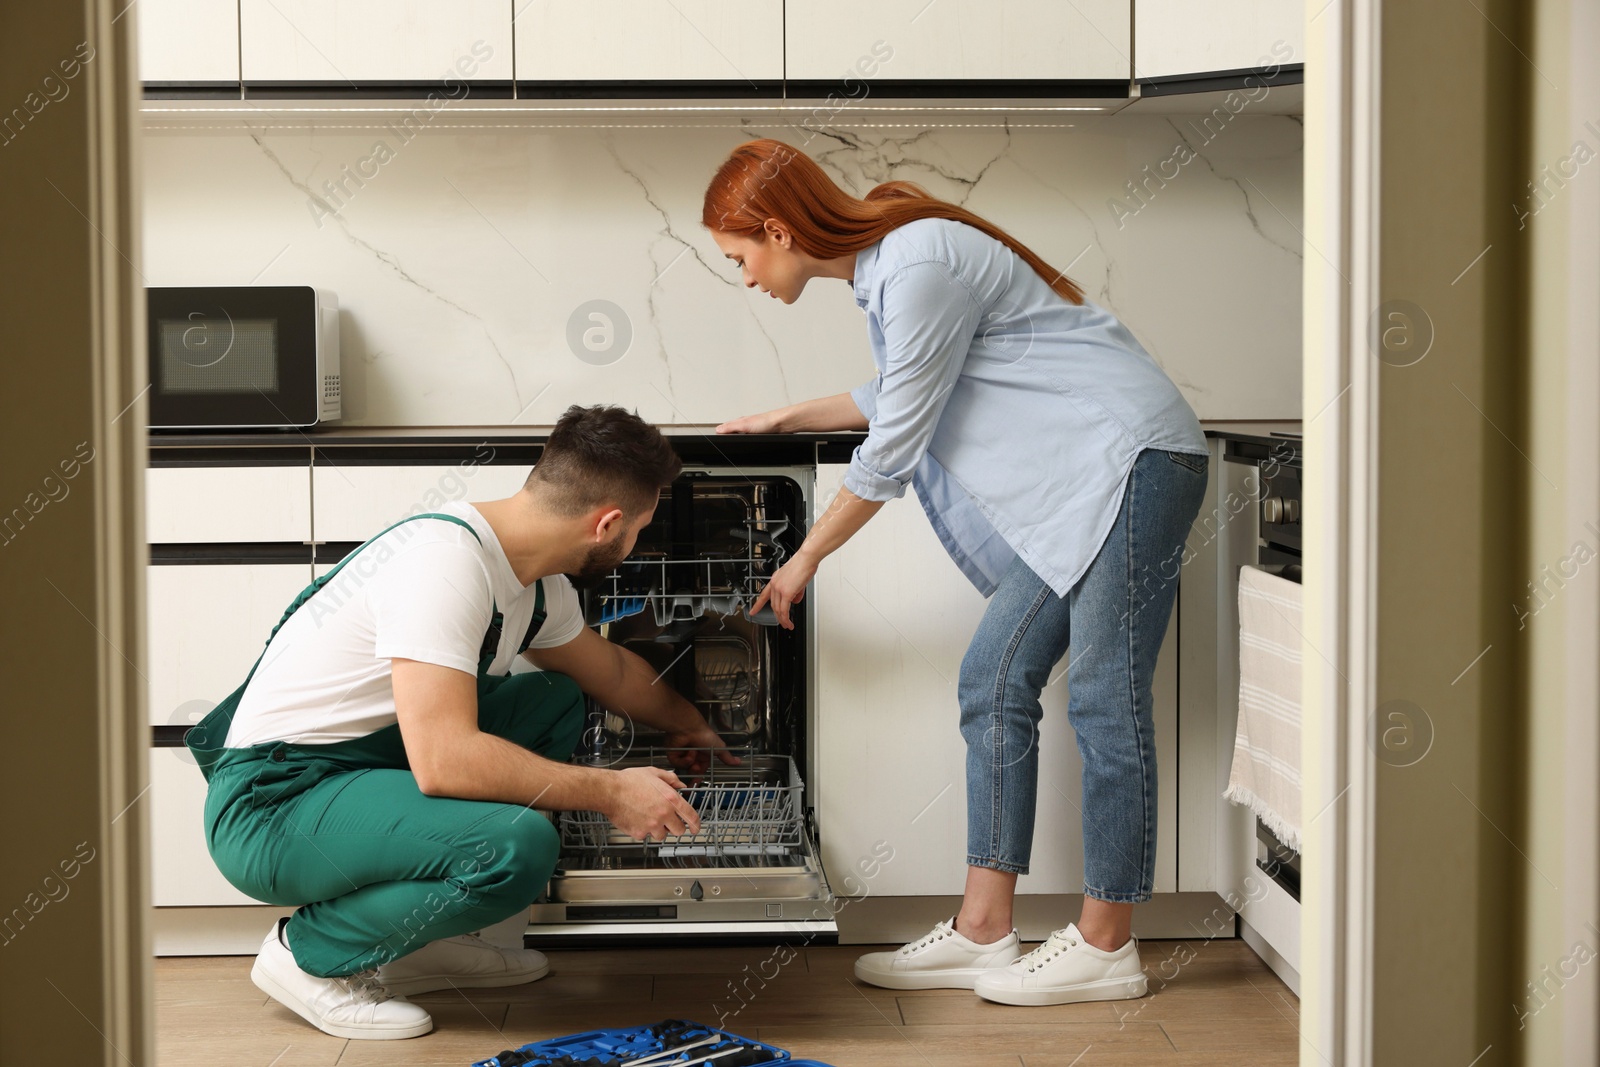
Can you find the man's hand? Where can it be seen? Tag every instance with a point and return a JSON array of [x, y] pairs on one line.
[[690, 750], [623, 682], [644, 803]]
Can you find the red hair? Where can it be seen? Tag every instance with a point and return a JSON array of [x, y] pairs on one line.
[[767, 179]]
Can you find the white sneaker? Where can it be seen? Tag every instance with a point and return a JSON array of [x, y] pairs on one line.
[[459, 962], [944, 959], [1066, 969], [355, 1006]]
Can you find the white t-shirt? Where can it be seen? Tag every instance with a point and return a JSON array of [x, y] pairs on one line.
[[424, 591]]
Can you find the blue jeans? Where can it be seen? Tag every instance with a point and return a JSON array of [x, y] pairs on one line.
[[1114, 619]]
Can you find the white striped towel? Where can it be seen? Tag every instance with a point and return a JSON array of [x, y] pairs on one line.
[[1266, 751]]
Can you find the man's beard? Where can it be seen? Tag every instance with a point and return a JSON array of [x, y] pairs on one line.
[[598, 562]]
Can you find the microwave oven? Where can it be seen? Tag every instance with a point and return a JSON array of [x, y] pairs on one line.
[[242, 357]]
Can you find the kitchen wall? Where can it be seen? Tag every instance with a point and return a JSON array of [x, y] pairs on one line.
[[465, 257]]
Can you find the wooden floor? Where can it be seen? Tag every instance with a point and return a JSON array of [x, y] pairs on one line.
[[1211, 1003]]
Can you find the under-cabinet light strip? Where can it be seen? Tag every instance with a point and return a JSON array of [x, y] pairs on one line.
[[189, 128], [731, 111]]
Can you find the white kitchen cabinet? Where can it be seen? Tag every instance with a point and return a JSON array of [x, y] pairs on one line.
[[1179, 37], [188, 42], [976, 40], [206, 624], [1222, 538], [182, 873], [355, 502], [735, 41], [895, 616], [219, 504], [364, 41], [895, 620]]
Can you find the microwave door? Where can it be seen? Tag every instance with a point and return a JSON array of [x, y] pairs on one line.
[[233, 357]]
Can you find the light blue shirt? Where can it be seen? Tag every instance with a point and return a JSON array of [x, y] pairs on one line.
[[1015, 414]]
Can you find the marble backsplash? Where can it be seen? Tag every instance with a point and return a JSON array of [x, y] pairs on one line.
[[467, 259]]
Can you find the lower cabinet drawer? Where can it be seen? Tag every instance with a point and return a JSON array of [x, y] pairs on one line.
[[356, 502], [209, 505], [182, 873], [207, 623]]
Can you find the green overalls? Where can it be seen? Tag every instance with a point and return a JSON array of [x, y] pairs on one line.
[[379, 868]]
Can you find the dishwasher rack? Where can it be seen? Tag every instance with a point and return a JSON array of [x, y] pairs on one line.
[[748, 815], [752, 841], [720, 581]]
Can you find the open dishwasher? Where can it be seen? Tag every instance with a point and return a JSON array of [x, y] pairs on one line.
[[679, 602]]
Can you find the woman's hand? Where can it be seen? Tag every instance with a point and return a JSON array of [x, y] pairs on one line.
[[787, 588], [824, 415], [766, 422]]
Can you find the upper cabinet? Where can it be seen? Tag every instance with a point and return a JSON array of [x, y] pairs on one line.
[[733, 43], [350, 43], [188, 42], [1185, 39], [800, 49], [889, 41]]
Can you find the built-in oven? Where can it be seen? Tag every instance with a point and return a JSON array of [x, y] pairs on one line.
[[1279, 547], [680, 602], [242, 357]]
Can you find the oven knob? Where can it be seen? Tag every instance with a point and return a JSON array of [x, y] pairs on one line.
[[1272, 509], [1291, 511]]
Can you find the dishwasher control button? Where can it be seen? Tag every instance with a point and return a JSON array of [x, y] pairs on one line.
[[696, 892], [677, 890], [774, 911]]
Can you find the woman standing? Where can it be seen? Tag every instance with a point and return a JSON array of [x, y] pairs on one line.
[[1061, 469]]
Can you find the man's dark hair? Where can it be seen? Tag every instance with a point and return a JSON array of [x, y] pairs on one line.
[[603, 455]]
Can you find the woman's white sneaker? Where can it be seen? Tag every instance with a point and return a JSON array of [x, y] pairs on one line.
[[355, 1006], [943, 959], [460, 962], [1066, 969]]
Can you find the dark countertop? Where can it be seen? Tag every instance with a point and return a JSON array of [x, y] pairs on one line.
[[1259, 441], [334, 435], [695, 444], [1265, 431], [511, 444]]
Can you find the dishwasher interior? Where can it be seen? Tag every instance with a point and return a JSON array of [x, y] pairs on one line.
[[680, 602]]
